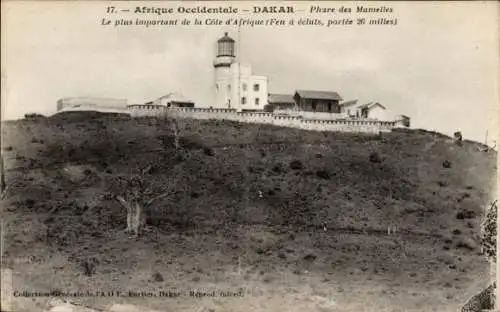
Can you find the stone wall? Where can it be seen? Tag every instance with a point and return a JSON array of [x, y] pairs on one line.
[[292, 121], [299, 122]]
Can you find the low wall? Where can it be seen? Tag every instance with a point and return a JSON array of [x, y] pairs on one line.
[[299, 122], [364, 126], [146, 110], [293, 121], [321, 115]]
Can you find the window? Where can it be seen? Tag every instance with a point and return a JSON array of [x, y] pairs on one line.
[[256, 87], [257, 101], [243, 100], [216, 87], [244, 87], [228, 87]]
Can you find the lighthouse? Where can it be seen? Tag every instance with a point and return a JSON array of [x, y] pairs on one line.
[[234, 85], [224, 59]]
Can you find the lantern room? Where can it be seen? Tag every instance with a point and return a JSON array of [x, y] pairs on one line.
[[225, 46]]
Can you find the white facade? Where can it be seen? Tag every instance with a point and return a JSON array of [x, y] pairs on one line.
[[234, 85], [372, 110], [223, 79], [378, 112], [250, 92]]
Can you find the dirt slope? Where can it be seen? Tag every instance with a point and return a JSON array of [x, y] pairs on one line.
[[248, 210]]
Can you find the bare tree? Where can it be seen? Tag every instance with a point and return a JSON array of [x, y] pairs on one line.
[[176, 131], [170, 118], [135, 193]]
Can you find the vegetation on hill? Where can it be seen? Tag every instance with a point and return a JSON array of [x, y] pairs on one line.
[[227, 175]]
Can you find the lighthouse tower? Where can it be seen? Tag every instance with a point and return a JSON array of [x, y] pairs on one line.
[[223, 73], [235, 85]]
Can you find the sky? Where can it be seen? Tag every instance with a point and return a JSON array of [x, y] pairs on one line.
[[439, 64]]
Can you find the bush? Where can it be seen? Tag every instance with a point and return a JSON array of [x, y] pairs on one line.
[[466, 243], [375, 157], [278, 168], [208, 151], [442, 183], [447, 164], [296, 165], [33, 116], [90, 266], [466, 214], [323, 174], [157, 277]]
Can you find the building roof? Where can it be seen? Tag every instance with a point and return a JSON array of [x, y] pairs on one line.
[[320, 95], [226, 38], [281, 98], [371, 104], [174, 97], [349, 103]]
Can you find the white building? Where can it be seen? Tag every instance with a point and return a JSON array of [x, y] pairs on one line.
[[104, 105], [371, 110], [234, 85]]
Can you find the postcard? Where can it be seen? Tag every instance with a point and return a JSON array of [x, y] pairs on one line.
[[249, 156]]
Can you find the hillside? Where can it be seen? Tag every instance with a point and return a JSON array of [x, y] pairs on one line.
[[248, 207]]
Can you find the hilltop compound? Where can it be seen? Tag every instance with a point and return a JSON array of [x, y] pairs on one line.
[[241, 96]]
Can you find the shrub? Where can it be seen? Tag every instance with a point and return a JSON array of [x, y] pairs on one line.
[[157, 277], [442, 183], [208, 151], [466, 214], [296, 165], [375, 157], [278, 168], [90, 266], [323, 174], [466, 243], [33, 116], [447, 164]]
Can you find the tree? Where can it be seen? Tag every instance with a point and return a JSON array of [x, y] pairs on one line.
[[170, 118], [136, 192]]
